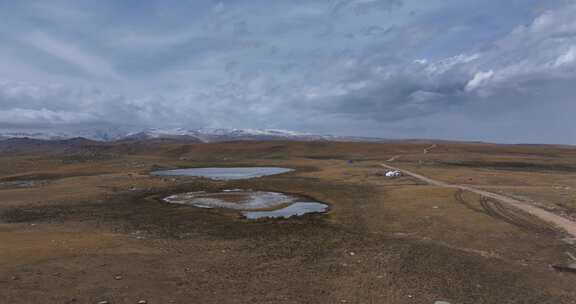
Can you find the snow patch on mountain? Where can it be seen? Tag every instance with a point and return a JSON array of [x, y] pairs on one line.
[[258, 132], [37, 135], [203, 135]]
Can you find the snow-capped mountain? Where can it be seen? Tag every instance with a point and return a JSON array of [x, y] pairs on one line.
[[250, 132], [218, 135], [196, 135], [36, 135], [158, 133]]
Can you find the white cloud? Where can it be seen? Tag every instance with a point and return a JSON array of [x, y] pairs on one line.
[[445, 65], [556, 22], [567, 58], [43, 117], [365, 6], [68, 52], [480, 79], [29, 104]]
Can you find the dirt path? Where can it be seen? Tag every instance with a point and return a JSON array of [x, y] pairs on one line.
[[563, 223], [427, 150]]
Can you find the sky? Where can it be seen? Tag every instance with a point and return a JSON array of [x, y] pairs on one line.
[[489, 70]]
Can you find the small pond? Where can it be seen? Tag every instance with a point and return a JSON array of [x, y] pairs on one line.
[[224, 173], [251, 204], [296, 209]]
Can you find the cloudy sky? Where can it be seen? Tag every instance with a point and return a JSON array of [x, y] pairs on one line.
[[493, 70]]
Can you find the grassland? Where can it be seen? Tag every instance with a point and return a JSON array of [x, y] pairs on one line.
[[92, 227]]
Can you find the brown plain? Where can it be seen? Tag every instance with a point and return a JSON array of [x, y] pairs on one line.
[[91, 227]]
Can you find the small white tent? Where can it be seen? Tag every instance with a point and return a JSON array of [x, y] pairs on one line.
[[394, 173]]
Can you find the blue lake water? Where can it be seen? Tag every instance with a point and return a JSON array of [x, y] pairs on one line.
[[225, 173]]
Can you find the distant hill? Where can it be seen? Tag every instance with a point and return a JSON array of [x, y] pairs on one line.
[[205, 135]]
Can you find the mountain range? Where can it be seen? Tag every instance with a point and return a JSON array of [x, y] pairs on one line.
[[204, 135]]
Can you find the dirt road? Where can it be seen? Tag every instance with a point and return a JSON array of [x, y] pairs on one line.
[[563, 223]]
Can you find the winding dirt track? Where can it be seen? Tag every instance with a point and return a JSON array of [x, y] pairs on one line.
[[567, 225]]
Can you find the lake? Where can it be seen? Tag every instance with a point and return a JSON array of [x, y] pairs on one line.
[[251, 204], [225, 173]]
